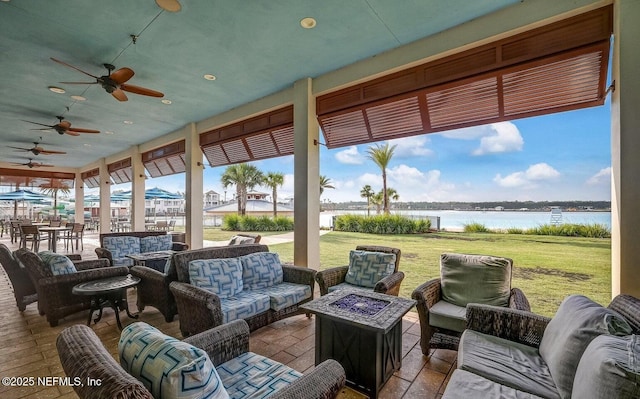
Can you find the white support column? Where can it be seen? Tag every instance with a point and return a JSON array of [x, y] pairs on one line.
[[79, 198], [306, 207], [625, 142], [137, 190], [105, 198], [194, 188]]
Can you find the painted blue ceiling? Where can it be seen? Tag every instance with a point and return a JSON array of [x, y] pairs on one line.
[[254, 48]]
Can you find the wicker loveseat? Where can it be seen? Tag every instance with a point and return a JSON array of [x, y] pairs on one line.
[[84, 357], [584, 351], [55, 299], [23, 289], [115, 246], [200, 309]]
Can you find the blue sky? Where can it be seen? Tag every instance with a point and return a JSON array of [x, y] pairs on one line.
[[563, 156]]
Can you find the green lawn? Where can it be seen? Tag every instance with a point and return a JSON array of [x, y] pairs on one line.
[[546, 268]]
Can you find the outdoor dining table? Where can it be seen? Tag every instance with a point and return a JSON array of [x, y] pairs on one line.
[[53, 234]]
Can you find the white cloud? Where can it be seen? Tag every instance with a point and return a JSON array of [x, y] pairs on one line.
[[469, 133], [526, 179], [603, 176], [411, 147], [350, 156], [505, 138]]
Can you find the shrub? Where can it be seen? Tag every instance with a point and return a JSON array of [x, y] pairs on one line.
[[515, 230], [256, 223], [381, 224], [572, 230], [475, 227]]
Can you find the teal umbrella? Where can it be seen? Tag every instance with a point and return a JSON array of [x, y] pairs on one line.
[[21, 195]]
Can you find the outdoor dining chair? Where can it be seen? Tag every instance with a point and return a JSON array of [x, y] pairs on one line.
[[30, 233]]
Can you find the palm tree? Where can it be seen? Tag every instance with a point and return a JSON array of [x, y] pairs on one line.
[[377, 199], [381, 155], [367, 192], [392, 194], [53, 192], [325, 183], [243, 176], [274, 180]]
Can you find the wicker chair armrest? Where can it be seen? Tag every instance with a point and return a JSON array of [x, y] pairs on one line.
[[299, 275], [104, 253], [390, 285], [74, 257], [199, 309], [66, 280], [82, 355], [149, 274], [512, 324], [91, 264], [224, 342], [517, 300], [330, 277], [427, 294], [325, 381], [179, 246], [629, 308]]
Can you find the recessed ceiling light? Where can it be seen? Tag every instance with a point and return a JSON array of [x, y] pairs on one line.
[[128, 122], [108, 132], [165, 101], [87, 145], [308, 23], [210, 77], [79, 98], [57, 90]]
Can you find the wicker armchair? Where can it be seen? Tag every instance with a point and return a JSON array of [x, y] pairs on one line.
[[83, 356], [429, 294], [23, 288], [201, 310], [389, 285], [55, 299], [105, 253]]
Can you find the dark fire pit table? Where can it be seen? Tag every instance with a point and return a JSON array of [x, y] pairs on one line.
[[363, 332], [111, 292]]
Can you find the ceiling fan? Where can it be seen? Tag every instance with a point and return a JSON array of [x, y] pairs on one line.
[[63, 127], [37, 150], [114, 82], [32, 164]]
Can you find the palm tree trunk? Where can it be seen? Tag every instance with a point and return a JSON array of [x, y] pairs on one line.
[[275, 203], [385, 196]]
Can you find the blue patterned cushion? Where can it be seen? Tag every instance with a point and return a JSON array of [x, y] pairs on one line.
[[367, 268], [243, 305], [121, 246], [169, 368], [284, 295], [123, 262], [261, 270], [253, 376], [351, 287], [222, 276], [58, 264], [156, 243]]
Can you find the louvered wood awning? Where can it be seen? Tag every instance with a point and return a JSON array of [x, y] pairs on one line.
[[166, 160], [120, 171], [268, 135], [558, 67], [36, 178], [91, 178]]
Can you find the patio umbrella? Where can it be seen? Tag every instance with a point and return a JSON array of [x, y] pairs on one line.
[[159, 193], [21, 195]]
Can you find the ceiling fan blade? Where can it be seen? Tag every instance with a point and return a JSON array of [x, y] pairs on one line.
[[119, 95], [51, 152], [20, 148], [44, 128], [122, 75], [41, 124], [64, 124], [72, 133], [41, 165], [72, 67], [169, 5], [81, 130], [141, 90], [79, 83]]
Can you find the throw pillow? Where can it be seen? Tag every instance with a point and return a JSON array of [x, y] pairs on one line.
[[222, 276], [482, 279], [238, 240], [121, 246], [609, 364], [576, 323], [169, 368], [367, 268], [156, 243], [58, 264], [261, 270]]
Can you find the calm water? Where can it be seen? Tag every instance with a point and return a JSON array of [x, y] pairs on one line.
[[455, 220]]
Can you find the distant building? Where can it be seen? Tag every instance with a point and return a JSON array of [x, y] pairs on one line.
[[211, 198], [499, 208], [255, 195]]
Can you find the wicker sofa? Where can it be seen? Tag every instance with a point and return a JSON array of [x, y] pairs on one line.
[[55, 299], [585, 351], [200, 309], [23, 289], [116, 242], [83, 356]]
